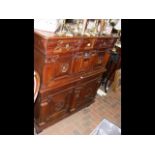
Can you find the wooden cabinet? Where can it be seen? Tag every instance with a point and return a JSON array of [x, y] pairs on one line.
[[70, 71]]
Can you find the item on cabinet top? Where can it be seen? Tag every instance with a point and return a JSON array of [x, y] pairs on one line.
[[72, 27], [50, 25], [118, 43], [117, 29], [114, 22], [118, 25], [92, 27], [61, 31], [108, 28], [75, 26], [101, 26]]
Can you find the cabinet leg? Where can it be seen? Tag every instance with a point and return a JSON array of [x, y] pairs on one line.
[[37, 130]]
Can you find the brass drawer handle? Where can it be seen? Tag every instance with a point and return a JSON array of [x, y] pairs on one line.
[[64, 67], [67, 46], [84, 75], [86, 55], [57, 47], [60, 42], [89, 44]]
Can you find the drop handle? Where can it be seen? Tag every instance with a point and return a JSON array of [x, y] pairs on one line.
[[83, 76], [67, 46], [60, 42], [57, 48], [86, 55], [89, 44]]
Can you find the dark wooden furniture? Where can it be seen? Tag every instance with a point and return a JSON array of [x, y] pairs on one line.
[[113, 64], [70, 69]]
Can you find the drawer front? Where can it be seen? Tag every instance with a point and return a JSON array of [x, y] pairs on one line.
[[82, 62], [60, 69], [63, 45], [89, 61], [104, 43], [99, 59], [57, 67], [87, 44]]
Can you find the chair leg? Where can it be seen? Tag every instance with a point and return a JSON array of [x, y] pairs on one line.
[[115, 84], [105, 86]]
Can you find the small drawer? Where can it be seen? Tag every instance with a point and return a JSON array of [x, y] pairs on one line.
[[63, 45], [104, 43], [87, 44]]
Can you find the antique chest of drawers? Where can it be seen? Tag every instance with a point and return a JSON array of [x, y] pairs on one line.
[[70, 70]]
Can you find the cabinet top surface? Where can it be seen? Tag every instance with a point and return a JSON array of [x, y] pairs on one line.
[[49, 35]]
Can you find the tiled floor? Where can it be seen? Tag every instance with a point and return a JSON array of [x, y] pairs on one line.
[[83, 122]]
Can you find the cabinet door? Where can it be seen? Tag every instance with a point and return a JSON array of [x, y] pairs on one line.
[[85, 94], [59, 103], [54, 106]]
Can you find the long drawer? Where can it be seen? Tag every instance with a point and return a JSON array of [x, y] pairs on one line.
[[64, 68]]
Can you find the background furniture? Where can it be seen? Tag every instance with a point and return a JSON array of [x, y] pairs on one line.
[[36, 89], [71, 70], [116, 85], [36, 84], [113, 64]]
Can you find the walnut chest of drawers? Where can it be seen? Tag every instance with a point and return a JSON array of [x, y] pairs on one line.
[[70, 70]]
